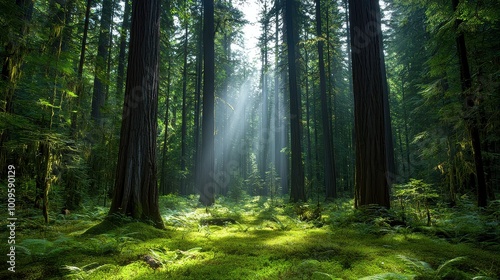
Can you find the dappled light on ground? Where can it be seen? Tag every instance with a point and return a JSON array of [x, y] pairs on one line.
[[268, 241]]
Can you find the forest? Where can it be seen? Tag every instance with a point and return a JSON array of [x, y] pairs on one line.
[[250, 139]]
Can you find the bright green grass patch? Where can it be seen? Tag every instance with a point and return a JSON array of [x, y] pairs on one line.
[[267, 243]]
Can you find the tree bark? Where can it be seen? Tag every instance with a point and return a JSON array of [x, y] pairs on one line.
[[136, 191], [331, 190], [371, 165], [297, 172], [206, 184]]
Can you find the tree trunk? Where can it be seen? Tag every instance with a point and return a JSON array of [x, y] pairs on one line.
[[197, 108], [184, 107], [297, 172], [331, 191], [308, 161], [206, 184], [79, 86], [282, 134], [471, 116], [350, 177], [264, 128], [371, 165], [278, 128], [120, 74], [98, 98], [136, 191]]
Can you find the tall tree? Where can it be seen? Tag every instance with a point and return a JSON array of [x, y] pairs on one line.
[[79, 85], [206, 183], [278, 123], [371, 166], [297, 172], [136, 191], [120, 75], [471, 117], [198, 89], [99, 95], [264, 128], [184, 98], [331, 191]]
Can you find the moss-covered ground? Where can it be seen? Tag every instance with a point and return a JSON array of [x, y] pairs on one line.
[[269, 241]]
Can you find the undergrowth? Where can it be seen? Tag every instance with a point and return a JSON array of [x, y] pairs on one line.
[[269, 239]]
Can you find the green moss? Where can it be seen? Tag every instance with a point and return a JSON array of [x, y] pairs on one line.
[[256, 248]]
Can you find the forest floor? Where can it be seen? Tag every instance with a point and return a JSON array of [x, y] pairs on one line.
[[268, 241]]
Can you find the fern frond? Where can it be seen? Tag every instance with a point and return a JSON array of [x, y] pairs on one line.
[[448, 263], [72, 269], [323, 274], [416, 265], [386, 276]]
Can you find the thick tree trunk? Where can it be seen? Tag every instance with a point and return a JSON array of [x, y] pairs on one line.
[[350, 177], [371, 165], [297, 172], [282, 131], [331, 190], [471, 115], [136, 191], [206, 185]]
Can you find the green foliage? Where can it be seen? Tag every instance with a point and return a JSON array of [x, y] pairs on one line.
[[84, 272], [40, 249], [416, 194], [424, 270], [109, 243], [269, 242], [388, 276], [416, 190]]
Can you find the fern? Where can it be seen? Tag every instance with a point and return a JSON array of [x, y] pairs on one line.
[[425, 271], [440, 271], [75, 272], [42, 248], [387, 276], [281, 226], [323, 275]]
